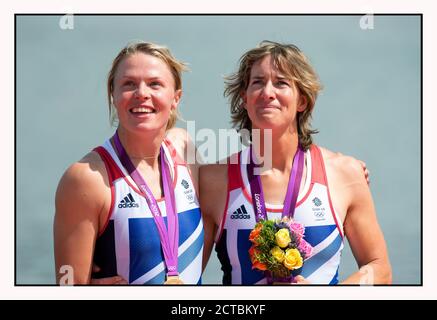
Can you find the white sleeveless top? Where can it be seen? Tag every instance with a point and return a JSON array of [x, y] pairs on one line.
[[129, 245], [323, 228]]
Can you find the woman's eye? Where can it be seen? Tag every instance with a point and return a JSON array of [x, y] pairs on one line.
[[155, 84], [282, 83], [128, 84]]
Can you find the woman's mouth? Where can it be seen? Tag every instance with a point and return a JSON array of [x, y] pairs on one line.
[[142, 110]]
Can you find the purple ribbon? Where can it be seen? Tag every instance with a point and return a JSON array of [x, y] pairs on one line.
[[271, 279], [258, 202], [169, 237]]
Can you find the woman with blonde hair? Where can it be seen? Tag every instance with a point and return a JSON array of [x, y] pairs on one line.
[[124, 206]]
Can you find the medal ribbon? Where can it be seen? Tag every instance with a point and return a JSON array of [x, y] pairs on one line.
[[258, 202], [169, 237]]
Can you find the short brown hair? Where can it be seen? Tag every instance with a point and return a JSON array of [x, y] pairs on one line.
[[290, 60], [161, 52]]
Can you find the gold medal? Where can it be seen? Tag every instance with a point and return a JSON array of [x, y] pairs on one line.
[[173, 280]]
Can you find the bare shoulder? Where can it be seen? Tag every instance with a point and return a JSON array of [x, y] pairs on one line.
[[213, 177], [213, 180], [183, 145], [177, 133], [84, 179], [179, 138], [344, 167], [346, 180], [87, 170]]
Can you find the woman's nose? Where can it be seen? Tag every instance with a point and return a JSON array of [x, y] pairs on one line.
[[142, 91], [268, 91]]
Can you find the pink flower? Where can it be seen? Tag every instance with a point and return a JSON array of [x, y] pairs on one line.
[[305, 248], [298, 230]]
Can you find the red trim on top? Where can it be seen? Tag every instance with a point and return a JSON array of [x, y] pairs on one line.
[[106, 158], [334, 215], [173, 153], [117, 173], [322, 165], [224, 215], [177, 161], [111, 208], [269, 209], [317, 174], [113, 170], [306, 195], [233, 172]]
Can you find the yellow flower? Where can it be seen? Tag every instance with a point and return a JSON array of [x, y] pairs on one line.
[[293, 259], [278, 254], [282, 238]]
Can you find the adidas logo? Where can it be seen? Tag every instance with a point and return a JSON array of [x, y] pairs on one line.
[[185, 184], [240, 213], [128, 202]]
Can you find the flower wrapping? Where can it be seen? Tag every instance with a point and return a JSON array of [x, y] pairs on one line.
[[278, 248]]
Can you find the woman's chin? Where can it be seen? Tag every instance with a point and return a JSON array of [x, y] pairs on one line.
[[147, 127], [266, 123]]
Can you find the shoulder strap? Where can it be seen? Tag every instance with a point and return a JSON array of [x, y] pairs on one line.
[[177, 160], [113, 170], [234, 173], [318, 174]]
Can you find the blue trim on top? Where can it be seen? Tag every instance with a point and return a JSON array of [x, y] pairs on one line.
[[316, 234], [334, 280], [320, 258], [145, 245], [183, 261]]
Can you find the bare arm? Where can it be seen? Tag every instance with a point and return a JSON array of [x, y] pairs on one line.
[[80, 201], [213, 194], [363, 166], [362, 229]]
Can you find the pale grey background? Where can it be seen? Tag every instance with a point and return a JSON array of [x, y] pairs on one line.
[[370, 108]]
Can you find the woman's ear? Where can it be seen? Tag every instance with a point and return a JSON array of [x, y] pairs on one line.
[[176, 99], [302, 104], [244, 98]]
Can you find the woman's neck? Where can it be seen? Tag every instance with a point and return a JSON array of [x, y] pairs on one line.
[[283, 148], [142, 148]]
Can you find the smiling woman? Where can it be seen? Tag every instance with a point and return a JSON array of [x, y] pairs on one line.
[[144, 93], [124, 201]]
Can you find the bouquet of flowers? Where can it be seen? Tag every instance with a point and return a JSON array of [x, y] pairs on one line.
[[279, 248]]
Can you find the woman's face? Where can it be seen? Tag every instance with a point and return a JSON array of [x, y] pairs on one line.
[[144, 93], [271, 100]]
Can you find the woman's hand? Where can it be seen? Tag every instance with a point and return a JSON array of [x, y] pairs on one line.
[[363, 166], [116, 280], [366, 171], [301, 280], [297, 280]]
